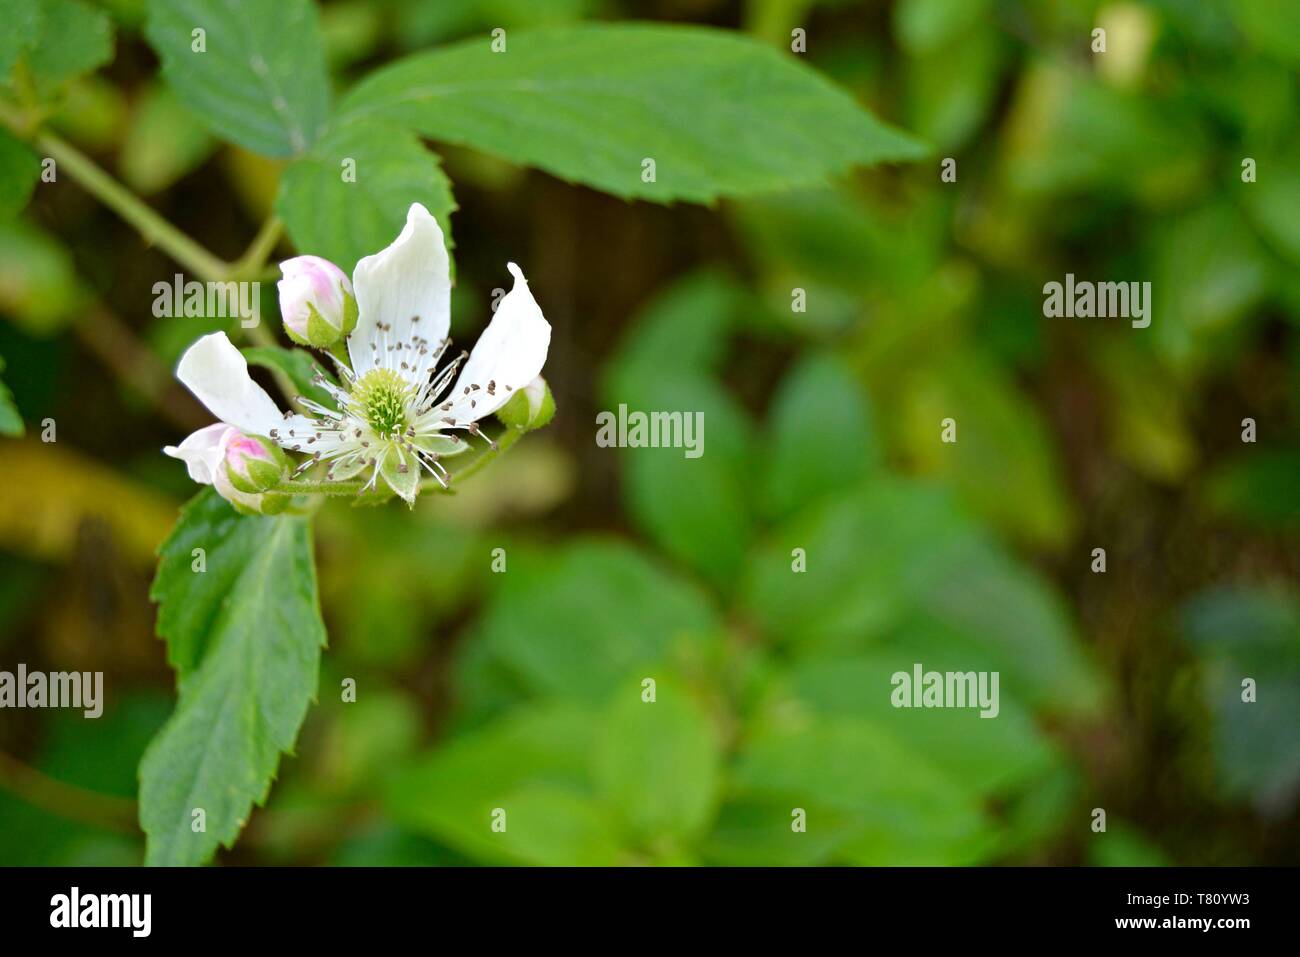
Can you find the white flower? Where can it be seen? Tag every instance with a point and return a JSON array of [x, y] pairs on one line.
[[398, 412]]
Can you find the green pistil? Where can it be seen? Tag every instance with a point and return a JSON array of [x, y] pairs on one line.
[[381, 397]]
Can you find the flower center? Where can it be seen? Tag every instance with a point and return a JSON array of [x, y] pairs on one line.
[[381, 397]]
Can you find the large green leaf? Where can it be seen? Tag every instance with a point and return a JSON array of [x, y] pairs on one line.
[[658, 761], [245, 636], [346, 219], [820, 439], [696, 509], [684, 328], [1213, 272], [889, 804], [72, 37], [987, 757], [897, 562], [694, 502], [22, 23], [533, 765], [756, 831], [591, 103], [580, 620], [260, 80]]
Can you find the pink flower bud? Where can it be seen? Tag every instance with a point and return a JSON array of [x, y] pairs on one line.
[[316, 301], [253, 464]]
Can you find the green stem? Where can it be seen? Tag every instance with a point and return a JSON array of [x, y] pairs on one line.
[[250, 265], [66, 800], [320, 488], [153, 227], [126, 204]]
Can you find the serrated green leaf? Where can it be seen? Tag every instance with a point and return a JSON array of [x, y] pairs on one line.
[[260, 80], [11, 423], [245, 636], [658, 763], [298, 364], [72, 38], [592, 103], [346, 219]]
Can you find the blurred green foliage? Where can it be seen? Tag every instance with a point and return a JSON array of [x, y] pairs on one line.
[[523, 690]]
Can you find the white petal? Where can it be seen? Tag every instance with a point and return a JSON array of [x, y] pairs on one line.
[[410, 278], [299, 433], [217, 374], [202, 451], [510, 353]]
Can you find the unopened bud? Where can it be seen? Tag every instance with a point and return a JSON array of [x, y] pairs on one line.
[[254, 464], [530, 408], [316, 301]]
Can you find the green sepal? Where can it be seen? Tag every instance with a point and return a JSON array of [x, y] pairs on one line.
[[526, 410], [406, 484]]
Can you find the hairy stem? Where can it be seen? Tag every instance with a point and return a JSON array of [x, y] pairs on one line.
[[351, 487], [126, 204], [153, 227]]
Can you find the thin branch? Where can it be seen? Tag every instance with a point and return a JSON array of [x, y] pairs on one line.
[[126, 204], [153, 227], [67, 800]]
